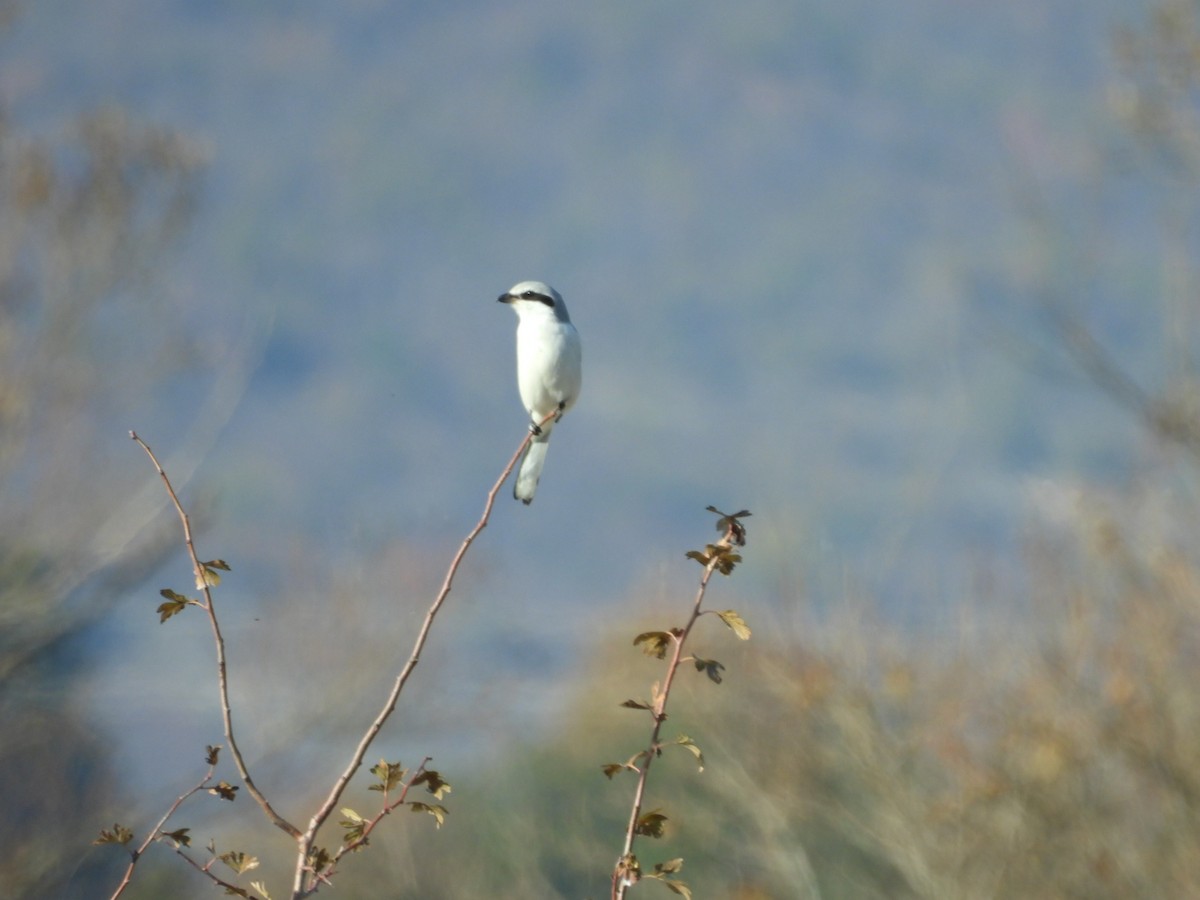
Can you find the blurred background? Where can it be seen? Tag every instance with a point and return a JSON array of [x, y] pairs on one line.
[[915, 283]]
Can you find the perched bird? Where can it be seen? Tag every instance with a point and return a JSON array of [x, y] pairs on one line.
[[549, 370]]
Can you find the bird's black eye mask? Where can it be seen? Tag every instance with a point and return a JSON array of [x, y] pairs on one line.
[[541, 298]]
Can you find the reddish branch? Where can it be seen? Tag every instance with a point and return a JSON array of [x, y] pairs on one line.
[[222, 670], [626, 872], [158, 826], [306, 840], [620, 883], [307, 880]]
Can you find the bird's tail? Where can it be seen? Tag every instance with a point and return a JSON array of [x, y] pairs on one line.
[[531, 469]]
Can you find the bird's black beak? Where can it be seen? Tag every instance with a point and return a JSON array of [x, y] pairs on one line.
[[506, 298]]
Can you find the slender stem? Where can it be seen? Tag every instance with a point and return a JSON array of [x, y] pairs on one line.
[[620, 884], [230, 887], [368, 827], [305, 840], [222, 668], [137, 854]]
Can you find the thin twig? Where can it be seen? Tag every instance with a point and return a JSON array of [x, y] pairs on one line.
[[222, 669], [620, 883], [369, 825], [230, 887], [154, 832], [307, 839]]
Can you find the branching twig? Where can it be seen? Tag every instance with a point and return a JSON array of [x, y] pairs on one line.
[[621, 882], [305, 840], [718, 557], [307, 876], [366, 826], [202, 583], [136, 854], [206, 870]]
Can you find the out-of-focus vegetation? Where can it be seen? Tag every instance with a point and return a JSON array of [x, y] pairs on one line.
[[1046, 743], [86, 212], [1042, 746], [1050, 754]]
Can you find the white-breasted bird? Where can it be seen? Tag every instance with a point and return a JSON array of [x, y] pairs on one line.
[[549, 370]]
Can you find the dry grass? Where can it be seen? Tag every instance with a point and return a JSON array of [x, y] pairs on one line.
[[1055, 755]]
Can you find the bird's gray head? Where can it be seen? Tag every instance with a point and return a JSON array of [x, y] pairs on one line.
[[536, 295]]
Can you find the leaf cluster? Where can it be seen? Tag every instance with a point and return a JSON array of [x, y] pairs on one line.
[[656, 643], [720, 556], [176, 603], [224, 790], [629, 871], [238, 861], [118, 834], [390, 778], [209, 576]]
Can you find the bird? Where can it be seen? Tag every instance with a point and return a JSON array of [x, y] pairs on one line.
[[549, 371]]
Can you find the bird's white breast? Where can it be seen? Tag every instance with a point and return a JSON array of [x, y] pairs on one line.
[[548, 365]]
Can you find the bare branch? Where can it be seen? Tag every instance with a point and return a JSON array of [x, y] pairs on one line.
[[626, 872], [222, 669], [206, 870], [369, 825], [157, 829], [306, 840]]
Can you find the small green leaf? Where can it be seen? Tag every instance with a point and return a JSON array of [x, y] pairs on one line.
[[354, 824], [211, 753], [651, 824], [224, 790], [238, 861], [390, 775], [176, 603], [433, 783], [736, 623], [438, 812], [688, 744], [709, 667], [119, 834], [611, 769], [208, 575], [319, 859], [698, 557], [261, 888], [654, 643], [663, 872], [676, 887], [723, 558], [670, 867], [179, 837], [166, 610], [636, 704]]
